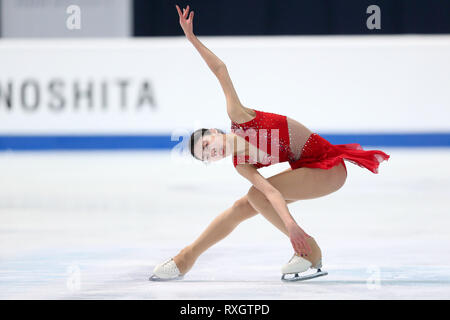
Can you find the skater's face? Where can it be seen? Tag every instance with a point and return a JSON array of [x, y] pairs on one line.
[[212, 147]]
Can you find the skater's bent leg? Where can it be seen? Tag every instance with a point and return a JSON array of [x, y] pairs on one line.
[[271, 215], [218, 229], [259, 201], [299, 184]]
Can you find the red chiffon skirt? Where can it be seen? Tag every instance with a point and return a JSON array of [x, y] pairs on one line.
[[320, 153]]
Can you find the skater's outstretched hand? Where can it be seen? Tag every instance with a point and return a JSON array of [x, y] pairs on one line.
[[298, 239], [185, 22]]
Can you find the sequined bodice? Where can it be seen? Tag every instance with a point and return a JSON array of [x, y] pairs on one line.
[[268, 132]]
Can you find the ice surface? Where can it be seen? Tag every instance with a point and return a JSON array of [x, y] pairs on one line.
[[84, 225]]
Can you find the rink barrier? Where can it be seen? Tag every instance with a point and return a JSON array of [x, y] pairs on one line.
[[333, 84], [164, 142]]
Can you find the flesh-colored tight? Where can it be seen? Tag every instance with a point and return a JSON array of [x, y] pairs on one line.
[[298, 184], [222, 226]]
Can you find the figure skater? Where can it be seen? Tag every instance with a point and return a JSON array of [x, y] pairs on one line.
[[259, 139]]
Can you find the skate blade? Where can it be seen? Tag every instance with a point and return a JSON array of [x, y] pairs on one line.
[[156, 278], [296, 277]]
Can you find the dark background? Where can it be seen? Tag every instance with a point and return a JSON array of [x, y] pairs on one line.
[[291, 17]]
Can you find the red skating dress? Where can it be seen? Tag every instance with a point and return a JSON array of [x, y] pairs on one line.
[[269, 132]]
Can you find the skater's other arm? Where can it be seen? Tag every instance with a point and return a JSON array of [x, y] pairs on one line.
[[276, 199], [235, 109]]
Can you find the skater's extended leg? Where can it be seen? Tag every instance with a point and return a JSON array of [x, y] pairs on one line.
[[243, 209], [218, 229]]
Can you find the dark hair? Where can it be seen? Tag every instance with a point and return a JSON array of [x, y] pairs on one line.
[[197, 135]]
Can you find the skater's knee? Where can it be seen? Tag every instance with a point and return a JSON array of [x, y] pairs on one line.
[[257, 198], [242, 209]]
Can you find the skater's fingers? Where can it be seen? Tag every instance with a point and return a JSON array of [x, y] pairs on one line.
[[304, 248], [296, 247], [300, 248], [308, 248], [186, 11], [179, 11], [304, 251]]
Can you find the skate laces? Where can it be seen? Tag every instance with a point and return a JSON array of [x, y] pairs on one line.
[[170, 267], [295, 254], [167, 261]]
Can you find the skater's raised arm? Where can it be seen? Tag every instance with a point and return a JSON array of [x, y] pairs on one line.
[[276, 199], [235, 109], [213, 62]]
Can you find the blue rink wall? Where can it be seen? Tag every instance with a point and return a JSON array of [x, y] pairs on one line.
[[130, 94], [161, 142]]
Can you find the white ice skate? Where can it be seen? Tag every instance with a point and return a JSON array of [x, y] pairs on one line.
[[166, 271], [298, 265]]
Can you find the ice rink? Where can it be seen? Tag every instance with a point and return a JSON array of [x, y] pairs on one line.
[[92, 225]]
